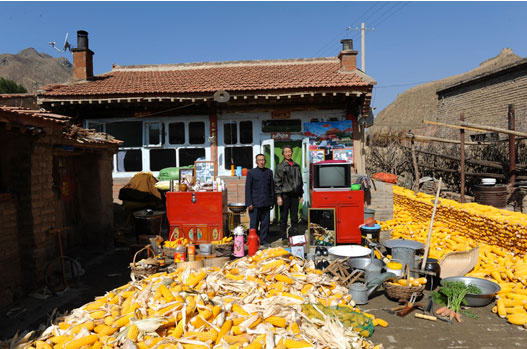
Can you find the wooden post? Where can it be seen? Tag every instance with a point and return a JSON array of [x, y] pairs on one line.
[[512, 146], [416, 169], [428, 238], [462, 158]]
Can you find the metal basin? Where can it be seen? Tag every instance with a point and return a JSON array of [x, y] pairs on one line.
[[362, 262], [402, 243], [488, 290], [237, 207]]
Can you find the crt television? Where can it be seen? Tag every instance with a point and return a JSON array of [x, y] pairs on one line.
[[331, 174]]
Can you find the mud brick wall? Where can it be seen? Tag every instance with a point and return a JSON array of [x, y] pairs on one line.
[[43, 246], [10, 272], [486, 101]]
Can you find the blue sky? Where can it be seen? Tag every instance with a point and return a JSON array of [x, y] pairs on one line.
[[412, 41]]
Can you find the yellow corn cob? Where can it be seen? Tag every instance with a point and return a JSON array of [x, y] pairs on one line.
[[290, 295], [122, 321], [94, 305], [294, 328], [518, 319], [255, 323], [203, 336], [238, 320], [99, 314], [193, 279], [191, 304], [87, 325], [42, 345], [235, 339], [283, 278], [501, 308], [215, 311], [188, 346], [238, 330], [225, 328], [238, 309], [104, 330], [109, 320], [234, 277], [133, 332], [257, 343], [291, 343], [198, 322], [97, 345], [276, 321], [60, 339], [81, 342], [167, 295], [272, 265], [275, 252], [178, 330], [380, 322]]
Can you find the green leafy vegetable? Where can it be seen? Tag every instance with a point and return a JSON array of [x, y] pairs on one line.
[[453, 293]]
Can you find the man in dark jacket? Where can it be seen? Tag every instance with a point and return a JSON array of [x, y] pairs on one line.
[[259, 197], [289, 190]]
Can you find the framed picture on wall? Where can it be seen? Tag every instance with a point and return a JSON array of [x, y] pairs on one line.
[[204, 172], [317, 155], [345, 154], [186, 176], [321, 227]]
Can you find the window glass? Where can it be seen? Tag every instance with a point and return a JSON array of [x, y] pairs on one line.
[[230, 133], [288, 125], [196, 133], [246, 132], [162, 158], [154, 133], [129, 160], [129, 132], [241, 156], [176, 133], [187, 156]]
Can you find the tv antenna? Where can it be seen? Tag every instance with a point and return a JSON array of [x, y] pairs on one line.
[[66, 46]]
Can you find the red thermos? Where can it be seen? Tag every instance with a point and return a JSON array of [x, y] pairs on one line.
[[253, 240]]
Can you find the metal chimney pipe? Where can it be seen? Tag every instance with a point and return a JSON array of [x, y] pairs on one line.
[[347, 44], [82, 40]]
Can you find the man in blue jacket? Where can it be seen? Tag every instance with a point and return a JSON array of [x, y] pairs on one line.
[[259, 197]]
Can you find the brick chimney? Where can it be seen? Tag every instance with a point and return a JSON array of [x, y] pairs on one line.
[[348, 57], [82, 58]]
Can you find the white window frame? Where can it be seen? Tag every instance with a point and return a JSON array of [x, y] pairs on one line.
[[145, 149]]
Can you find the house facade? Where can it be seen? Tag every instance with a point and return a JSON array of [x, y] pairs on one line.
[[226, 112]]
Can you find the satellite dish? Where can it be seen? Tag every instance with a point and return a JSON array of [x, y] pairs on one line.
[[221, 96], [65, 47]]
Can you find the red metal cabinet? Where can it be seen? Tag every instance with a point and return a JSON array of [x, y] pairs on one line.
[[349, 211], [197, 216]]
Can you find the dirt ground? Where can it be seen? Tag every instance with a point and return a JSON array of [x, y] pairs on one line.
[[106, 270]]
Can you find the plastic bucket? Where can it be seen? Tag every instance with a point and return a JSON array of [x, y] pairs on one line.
[[369, 212]]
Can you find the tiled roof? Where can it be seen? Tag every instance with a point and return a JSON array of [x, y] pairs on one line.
[[195, 78], [39, 118], [26, 115]]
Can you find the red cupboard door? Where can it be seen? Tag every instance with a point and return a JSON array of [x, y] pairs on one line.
[[348, 220]]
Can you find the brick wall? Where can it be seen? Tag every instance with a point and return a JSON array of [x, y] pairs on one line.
[[486, 102], [9, 257], [117, 184], [236, 193]]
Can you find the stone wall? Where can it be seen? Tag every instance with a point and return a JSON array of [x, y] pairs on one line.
[[486, 102]]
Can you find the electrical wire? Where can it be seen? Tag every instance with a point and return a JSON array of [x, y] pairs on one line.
[[391, 15]]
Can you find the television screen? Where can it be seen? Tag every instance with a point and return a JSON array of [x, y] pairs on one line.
[[332, 177]]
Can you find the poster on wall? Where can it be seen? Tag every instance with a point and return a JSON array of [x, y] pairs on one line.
[[331, 130], [316, 155], [345, 154]]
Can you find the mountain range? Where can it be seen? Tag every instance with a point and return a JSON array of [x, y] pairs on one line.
[[32, 69]]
